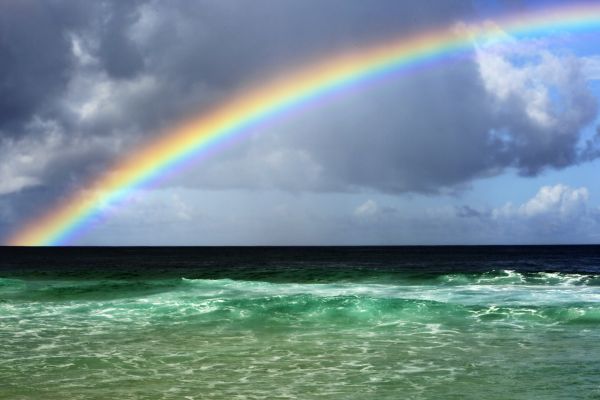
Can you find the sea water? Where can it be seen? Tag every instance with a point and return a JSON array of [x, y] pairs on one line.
[[287, 323]]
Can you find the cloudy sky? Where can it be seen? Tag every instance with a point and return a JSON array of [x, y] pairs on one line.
[[500, 146]]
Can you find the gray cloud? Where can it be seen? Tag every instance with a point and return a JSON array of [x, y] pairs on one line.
[[36, 57], [433, 132], [468, 212]]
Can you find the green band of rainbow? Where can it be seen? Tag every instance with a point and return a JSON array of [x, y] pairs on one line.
[[252, 107]]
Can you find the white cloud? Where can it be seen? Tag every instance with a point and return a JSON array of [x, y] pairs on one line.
[[560, 199], [551, 89], [558, 202], [94, 97], [557, 213], [81, 51], [366, 209]]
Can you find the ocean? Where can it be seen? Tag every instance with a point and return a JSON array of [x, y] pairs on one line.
[[481, 322]]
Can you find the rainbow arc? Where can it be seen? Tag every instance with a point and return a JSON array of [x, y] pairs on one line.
[[254, 106]]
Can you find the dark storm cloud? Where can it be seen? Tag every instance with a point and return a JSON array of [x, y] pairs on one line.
[[82, 82], [118, 54], [223, 42], [189, 47], [35, 56], [38, 61]]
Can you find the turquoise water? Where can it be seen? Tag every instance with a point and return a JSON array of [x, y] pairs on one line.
[[497, 334]]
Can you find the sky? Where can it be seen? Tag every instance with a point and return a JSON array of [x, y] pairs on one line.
[[498, 147]]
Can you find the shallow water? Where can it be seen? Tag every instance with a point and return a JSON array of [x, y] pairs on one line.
[[319, 326]]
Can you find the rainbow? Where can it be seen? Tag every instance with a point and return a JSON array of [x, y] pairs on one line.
[[256, 105]]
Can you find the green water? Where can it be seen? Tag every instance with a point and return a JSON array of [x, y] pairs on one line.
[[501, 335]]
